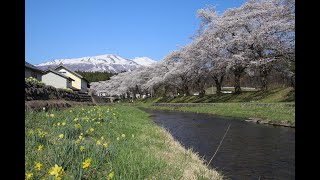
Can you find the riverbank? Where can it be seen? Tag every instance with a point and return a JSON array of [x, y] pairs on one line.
[[278, 114], [118, 142], [270, 96], [274, 107]]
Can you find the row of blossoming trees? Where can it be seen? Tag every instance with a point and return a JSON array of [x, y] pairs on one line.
[[254, 40]]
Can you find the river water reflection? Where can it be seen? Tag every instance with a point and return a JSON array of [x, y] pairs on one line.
[[249, 150]]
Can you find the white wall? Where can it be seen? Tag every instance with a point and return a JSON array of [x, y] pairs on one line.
[[54, 80], [77, 81]]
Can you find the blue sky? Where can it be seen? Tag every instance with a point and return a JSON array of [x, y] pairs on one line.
[[56, 29]]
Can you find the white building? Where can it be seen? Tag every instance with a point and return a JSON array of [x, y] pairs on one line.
[[56, 79]]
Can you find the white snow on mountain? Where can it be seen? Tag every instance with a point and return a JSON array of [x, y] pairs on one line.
[[144, 61], [108, 62]]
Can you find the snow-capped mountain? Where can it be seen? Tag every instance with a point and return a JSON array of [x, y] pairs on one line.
[[145, 61], [108, 62]]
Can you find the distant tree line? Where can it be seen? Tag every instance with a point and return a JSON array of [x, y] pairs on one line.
[[96, 76]]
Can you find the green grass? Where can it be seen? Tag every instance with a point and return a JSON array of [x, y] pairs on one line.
[[119, 140], [245, 105], [274, 112], [271, 96]]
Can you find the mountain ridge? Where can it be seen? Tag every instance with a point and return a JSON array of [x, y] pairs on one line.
[[100, 63]]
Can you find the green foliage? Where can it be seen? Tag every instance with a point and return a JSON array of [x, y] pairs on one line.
[[68, 90], [34, 81], [95, 76]]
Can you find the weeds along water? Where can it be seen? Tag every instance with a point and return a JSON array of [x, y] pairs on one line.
[[101, 142]]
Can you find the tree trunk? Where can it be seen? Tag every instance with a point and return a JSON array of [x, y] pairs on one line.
[[166, 88], [264, 83], [237, 88], [186, 90], [218, 83], [218, 86], [134, 95], [264, 73], [292, 81], [202, 92]]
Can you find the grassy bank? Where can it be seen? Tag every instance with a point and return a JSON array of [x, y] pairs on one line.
[[274, 106], [279, 113], [105, 143], [271, 96]]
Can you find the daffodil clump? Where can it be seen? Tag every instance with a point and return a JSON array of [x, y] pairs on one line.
[[73, 143]]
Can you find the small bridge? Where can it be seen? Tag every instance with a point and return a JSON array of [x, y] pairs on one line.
[[103, 99]]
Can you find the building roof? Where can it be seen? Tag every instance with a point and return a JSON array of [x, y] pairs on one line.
[[72, 72], [30, 66], [57, 73]]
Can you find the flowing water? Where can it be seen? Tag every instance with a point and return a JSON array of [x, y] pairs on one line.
[[248, 151]]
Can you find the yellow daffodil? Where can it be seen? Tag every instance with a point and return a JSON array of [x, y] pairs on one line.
[[63, 124], [76, 119], [102, 138], [38, 166], [86, 163], [41, 133], [91, 129], [51, 115], [30, 132], [98, 142], [29, 175], [56, 171], [110, 176], [77, 141], [132, 135], [61, 136], [118, 138], [105, 145], [80, 137], [123, 135], [58, 124], [77, 125], [82, 148], [40, 147]]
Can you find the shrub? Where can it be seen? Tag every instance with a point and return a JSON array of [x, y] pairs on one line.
[[33, 80], [68, 90]]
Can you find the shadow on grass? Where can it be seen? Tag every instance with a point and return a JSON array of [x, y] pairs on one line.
[[273, 95], [259, 95], [290, 97]]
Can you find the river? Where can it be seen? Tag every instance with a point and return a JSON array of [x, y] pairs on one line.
[[248, 151]]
